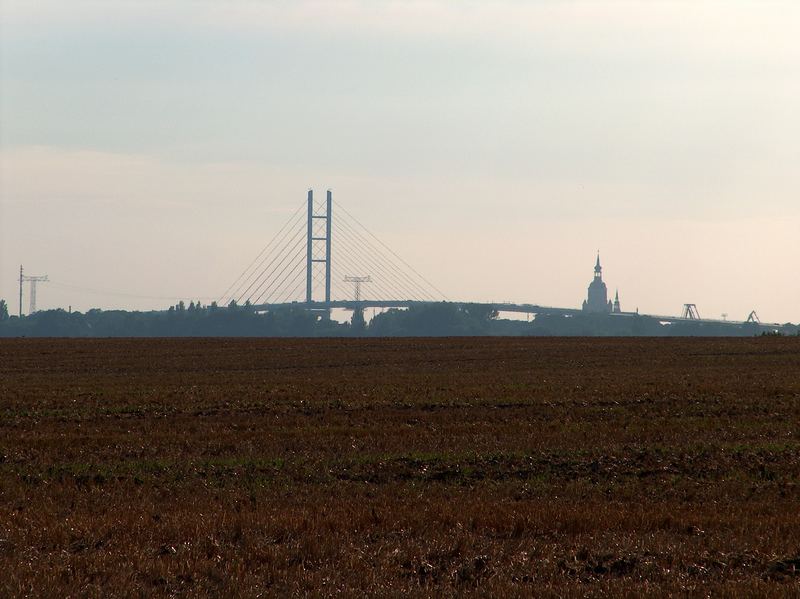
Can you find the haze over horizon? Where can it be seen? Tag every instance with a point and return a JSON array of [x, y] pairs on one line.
[[153, 148]]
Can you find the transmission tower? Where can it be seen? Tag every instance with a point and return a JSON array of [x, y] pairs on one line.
[[357, 284], [33, 280]]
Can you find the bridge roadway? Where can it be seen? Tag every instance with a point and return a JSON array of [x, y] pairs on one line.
[[499, 306]]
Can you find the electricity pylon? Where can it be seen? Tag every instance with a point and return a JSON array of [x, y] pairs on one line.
[[33, 280], [357, 284]]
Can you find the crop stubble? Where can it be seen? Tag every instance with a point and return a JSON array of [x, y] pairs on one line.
[[504, 467]]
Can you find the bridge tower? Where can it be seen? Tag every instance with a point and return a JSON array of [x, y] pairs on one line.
[[314, 235]]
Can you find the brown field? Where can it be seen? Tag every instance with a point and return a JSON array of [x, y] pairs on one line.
[[428, 467]]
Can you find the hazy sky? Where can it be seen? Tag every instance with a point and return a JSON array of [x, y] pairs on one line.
[[152, 148]]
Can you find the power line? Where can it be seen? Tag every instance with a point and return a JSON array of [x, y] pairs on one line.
[[123, 294]]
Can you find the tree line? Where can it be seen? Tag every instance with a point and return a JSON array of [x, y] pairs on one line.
[[435, 319]]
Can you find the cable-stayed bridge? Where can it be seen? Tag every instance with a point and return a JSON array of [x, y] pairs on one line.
[[324, 258], [325, 262]]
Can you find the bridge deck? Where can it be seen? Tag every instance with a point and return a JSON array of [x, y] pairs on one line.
[[499, 306]]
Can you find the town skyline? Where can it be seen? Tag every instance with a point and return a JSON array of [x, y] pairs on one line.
[[151, 149]]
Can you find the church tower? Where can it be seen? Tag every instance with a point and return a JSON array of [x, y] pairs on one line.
[[597, 300], [616, 309]]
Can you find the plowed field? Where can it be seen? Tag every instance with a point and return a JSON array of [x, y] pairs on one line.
[[428, 467]]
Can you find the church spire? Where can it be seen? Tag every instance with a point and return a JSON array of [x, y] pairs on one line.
[[597, 300]]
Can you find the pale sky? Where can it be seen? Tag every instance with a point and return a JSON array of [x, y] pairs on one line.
[[150, 149]]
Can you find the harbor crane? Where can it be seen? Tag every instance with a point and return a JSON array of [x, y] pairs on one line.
[[690, 312]]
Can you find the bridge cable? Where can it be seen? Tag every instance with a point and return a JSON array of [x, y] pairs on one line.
[[256, 278], [275, 254], [352, 261], [366, 261], [386, 265], [278, 257], [340, 207], [294, 269], [415, 285], [293, 256], [289, 222], [370, 266], [368, 254], [285, 283], [285, 276], [265, 279]]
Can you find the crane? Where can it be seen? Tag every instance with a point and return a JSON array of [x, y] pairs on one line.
[[753, 317], [690, 312]]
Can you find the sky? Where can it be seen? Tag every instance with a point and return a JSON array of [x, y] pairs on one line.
[[150, 149]]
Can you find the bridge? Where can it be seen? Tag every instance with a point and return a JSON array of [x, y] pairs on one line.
[[320, 264]]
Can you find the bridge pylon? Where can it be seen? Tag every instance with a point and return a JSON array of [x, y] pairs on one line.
[[314, 237]]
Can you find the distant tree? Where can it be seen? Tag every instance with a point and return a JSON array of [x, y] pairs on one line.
[[357, 322], [191, 307], [233, 305], [427, 320], [181, 307], [480, 312], [3, 310]]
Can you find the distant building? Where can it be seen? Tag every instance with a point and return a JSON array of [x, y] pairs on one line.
[[597, 300]]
